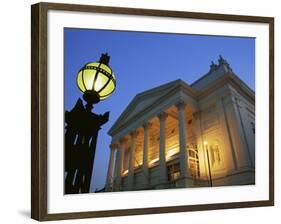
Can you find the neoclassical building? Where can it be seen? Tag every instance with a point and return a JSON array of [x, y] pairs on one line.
[[180, 135]]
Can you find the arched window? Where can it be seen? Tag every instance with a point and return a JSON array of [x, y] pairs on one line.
[[215, 154]]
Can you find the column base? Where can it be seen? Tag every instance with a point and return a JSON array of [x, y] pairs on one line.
[[145, 186], [116, 187], [162, 184], [184, 182], [108, 188]]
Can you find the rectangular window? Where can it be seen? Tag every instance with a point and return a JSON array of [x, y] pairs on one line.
[[173, 172]]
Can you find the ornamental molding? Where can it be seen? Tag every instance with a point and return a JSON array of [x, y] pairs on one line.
[[170, 94]]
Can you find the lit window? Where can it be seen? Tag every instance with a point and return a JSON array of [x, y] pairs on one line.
[[173, 172], [193, 161], [215, 155]]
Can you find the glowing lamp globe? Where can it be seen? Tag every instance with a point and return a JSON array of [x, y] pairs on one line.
[[96, 80]]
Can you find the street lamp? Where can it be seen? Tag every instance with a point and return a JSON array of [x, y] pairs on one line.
[[208, 160], [97, 82]]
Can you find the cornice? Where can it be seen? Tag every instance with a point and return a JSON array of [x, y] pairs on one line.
[[181, 86], [232, 79]]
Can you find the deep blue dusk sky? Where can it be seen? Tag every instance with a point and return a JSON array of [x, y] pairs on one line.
[[141, 61]]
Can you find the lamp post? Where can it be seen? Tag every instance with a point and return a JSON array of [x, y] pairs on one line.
[[97, 82], [208, 160]]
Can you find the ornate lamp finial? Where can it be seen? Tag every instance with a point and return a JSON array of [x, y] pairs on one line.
[[104, 59]]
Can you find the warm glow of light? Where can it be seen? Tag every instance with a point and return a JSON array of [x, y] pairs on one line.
[[102, 82], [172, 152], [153, 161], [205, 143], [169, 154], [125, 172]]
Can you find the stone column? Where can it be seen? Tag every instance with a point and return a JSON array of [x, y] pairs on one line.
[[145, 153], [162, 155], [131, 162], [119, 165], [110, 169], [122, 147], [116, 174], [182, 141]]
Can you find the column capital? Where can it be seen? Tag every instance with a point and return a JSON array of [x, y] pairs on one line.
[[162, 116], [180, 104], [133, 133], [146, 125], [122, 140], [197, 114], [114, 145]]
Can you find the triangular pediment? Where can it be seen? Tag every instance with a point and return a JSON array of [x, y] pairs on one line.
[[143, 103], [143, 100]]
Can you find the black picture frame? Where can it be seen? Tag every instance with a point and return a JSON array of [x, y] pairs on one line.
[[39, 105]]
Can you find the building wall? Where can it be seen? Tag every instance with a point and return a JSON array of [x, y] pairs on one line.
[[223, 125], [227, 118]]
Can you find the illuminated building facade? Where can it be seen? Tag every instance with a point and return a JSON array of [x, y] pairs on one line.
[[180, 135]]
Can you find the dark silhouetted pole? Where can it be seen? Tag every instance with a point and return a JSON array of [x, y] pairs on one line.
[[209, 167], [80, 146], [97, 81]]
